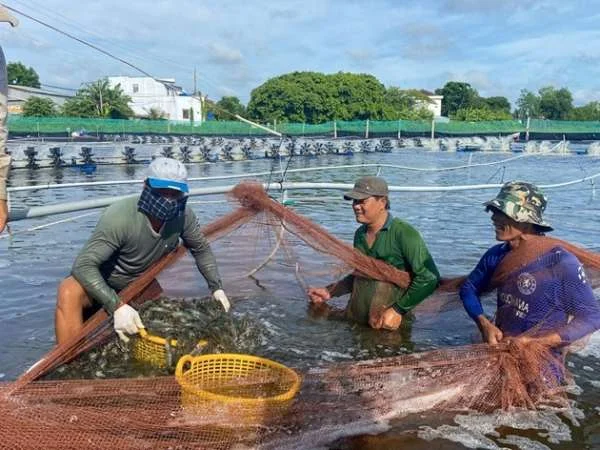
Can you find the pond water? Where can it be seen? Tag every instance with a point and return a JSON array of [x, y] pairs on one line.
[[453, 224]]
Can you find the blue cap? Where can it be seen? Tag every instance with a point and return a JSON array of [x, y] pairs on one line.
[[167, 173]]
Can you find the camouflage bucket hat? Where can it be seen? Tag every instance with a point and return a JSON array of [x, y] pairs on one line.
[[522, 202]]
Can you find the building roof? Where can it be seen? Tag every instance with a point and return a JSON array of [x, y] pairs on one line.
[[36, 91]]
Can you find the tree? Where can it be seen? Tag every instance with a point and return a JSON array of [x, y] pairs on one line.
[[555, 104], [457, 95], [498, 104], [20, 75], [528, 105], [99, 99], [357, 96], [406, 104], [481, 114], [294, 97], [209, 109], [155, 113], [591, 111], [314, 97], [227, 107], [39, 107]]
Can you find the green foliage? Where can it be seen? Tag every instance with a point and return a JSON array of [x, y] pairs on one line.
[[99, 99], [227, 107], [471, 114], [461, 96], [294, 97], [209, 107], [551, 103], [155, 113], [21, 75], [457, 95], [314, 97], [39, 107], [555, 104], [528, 105], [498, 104], [358, 96], [406, 104], [416, 113], [591, 111]]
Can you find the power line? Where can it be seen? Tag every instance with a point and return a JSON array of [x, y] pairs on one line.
[[105, 52], [59, 87], [69, 23], [128, 50], [47, 25]]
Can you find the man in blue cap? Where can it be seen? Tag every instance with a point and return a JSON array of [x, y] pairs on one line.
[[131, 235]]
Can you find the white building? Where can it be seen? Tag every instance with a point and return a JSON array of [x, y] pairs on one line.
[[435, 103], [160, 94]]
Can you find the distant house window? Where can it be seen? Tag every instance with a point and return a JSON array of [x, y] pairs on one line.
[[186, 113], [136, 88]]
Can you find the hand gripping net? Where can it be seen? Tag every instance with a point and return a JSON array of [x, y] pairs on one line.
[[338, 399]]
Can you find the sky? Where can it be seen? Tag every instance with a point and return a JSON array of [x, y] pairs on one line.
[[498, 46]]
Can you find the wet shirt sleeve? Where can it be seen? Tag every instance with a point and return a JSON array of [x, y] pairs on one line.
[[106, 240], [479, 279], [425, 277], [578, 301], [4, 158], [198, 245]]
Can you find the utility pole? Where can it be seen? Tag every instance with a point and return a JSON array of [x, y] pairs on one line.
[[195, 95], [101, 104], [195, 91]]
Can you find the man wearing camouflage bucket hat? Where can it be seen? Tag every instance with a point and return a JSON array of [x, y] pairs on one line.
[[542, 291], [377, 303], [522, 202]]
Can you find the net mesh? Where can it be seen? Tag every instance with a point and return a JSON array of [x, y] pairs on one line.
[[333, 400], [65, 125]]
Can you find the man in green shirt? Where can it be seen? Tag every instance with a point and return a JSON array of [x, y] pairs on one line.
[[131, 235], [381, 236]]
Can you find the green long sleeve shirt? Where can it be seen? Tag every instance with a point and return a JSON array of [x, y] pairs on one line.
[[400, 245], [124, 245]]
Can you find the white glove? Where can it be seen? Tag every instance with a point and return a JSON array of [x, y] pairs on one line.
[[127, 320], [220, 296]]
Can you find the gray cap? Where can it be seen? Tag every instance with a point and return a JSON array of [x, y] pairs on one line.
[[366, 187], [5, 16]]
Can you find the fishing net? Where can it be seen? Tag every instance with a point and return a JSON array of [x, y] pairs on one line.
[[262, 246]]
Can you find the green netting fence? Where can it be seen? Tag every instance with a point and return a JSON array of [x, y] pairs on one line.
[[19, 125]]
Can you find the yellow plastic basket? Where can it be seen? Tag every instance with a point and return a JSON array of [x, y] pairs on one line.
[[152, 349], [234, 389]]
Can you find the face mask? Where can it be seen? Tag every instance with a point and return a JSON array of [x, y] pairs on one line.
[[155, 205]]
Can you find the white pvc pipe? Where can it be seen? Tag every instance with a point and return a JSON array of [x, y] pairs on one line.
[[38, 211], [10, 233], [262, 127]]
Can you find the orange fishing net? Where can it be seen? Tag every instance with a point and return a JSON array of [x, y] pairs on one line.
[[334, 400]]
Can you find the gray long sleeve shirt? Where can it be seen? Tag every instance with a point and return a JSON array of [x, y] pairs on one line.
[[4, 158], [124, 245]]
